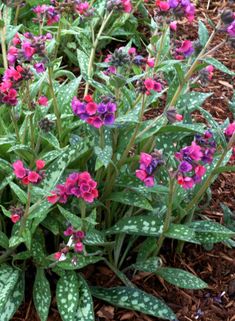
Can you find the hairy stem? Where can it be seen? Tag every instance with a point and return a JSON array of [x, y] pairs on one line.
[[93, 50]]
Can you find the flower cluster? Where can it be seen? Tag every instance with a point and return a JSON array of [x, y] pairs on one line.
[[206, 75], [229, 132], [184, 50], [146, 86], [24, 49], [193, 157], [95, 114], [16, 213], [123, 57], [27, 176], [46, 13], [80, 185], [179, 8], [74, 243], [148, 166], [119, 5], [9, 85], [228, 19]]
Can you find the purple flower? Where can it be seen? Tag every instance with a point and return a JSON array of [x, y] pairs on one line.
[[111, 107], [185, 167], [173, 3], [77, 106], [102, 108], [231, 29], [40, 67], [109, 119]]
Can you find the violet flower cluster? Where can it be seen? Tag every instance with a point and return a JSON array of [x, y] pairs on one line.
[[27, 176], [74, 243], [95, 114], [80, 185], [179, 8], [28, 47], [193, 158], [148, 166]]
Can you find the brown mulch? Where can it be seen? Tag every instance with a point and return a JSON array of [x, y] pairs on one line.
[[217, 266]]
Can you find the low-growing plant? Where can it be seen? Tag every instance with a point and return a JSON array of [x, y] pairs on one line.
[[102, 154]]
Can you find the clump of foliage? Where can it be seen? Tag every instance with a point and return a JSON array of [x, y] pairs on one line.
[[85, 175]]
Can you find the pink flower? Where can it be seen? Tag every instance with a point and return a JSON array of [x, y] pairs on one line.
[[149, 83], [39, 67], [33, 177], [229, 131], [186, 182], [200, 170], [179, 117], [141, 174], [195, 152], [149, 181], [164, 6], [173, 25], [151, 62], [132, 51], [15, 218], [53, 198], [43, 101], [146, 159], [57, 256], [127, 6], [91, 108], [19, 169], [78, 247], [28, 50], [186, 48], [40, 164]]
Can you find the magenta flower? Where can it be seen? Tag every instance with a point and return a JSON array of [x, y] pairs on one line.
[[186, 182], [43, 101], [25, 175], [39, 67], [186, 48], [19, 169], [229, 131]]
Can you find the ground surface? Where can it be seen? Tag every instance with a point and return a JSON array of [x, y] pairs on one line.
[[216, 267]]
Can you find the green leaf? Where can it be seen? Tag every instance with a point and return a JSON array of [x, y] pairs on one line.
[[85, 310], [78, 261], [8, 280], [192, 100], [181, 278], [19, 192], [146, 248], [134, 299], [210, 232], [71, 218], [218, 65], [131, 198], [149, 265], [41, 295], [94, 237], [65, 95], [181, 232], [223, 169], [51, 139], [149, 225], [83, 61], [203, 33], [67, 295], [14, 301], [104, 155], [4, 240]]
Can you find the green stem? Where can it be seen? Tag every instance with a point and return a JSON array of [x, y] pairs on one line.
[[93, 50], [16, 15], [15, 124], [55, 103], [168, 217], [83, 209], [5, 255], [27, 212], [30, 116], [3, 44]]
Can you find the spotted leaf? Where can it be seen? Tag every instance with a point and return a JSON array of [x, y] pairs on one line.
[[67, 295], [134, 299], [85, 310], [181, 278], [41, 295]]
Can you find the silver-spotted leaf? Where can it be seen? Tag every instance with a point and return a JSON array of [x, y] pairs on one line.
[[67, 295], [8, 280], [181, 232], [41, 295], [134, 299], [149, 225], [85, 310], [131, 198], [181, 278]]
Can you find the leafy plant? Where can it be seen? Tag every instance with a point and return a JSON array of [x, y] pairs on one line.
[[86, 177]]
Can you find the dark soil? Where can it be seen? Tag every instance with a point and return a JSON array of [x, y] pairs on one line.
[[217, 266]]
